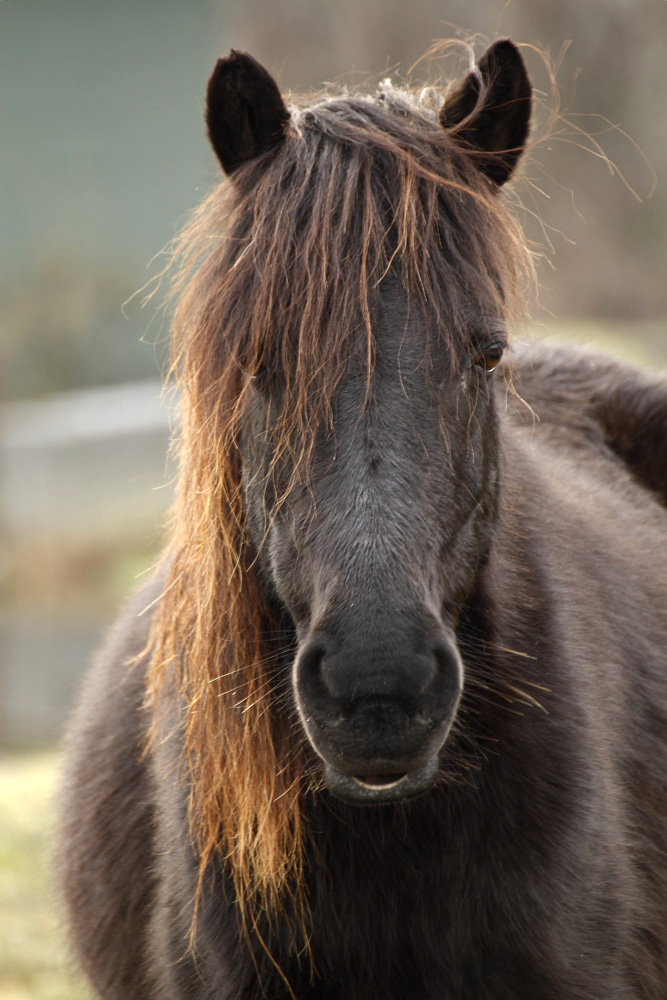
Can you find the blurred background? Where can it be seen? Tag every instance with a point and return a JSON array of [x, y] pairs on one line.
[[102, 155]]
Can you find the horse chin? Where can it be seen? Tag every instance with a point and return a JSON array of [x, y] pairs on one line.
[[382, 789]]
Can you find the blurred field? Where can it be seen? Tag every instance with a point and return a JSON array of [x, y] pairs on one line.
[[640, 342], [33, 956]]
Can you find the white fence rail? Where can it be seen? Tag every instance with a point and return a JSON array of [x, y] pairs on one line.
[[85, 467]]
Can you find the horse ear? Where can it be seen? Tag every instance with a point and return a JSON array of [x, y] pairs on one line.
[[245, 114], [490, 110]]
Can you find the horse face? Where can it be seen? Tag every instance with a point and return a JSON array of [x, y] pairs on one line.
[[373, 544], [375, 554]]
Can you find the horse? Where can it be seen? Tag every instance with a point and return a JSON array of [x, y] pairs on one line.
[[390, 719]]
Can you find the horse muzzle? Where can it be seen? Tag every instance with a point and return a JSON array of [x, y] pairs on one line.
[[378, 718]]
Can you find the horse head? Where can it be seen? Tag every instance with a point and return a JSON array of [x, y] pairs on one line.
[[371, 536]]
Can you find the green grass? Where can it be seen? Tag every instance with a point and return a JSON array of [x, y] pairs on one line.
[[33, 954]]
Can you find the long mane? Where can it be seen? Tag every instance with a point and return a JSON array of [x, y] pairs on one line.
[[281, 269]]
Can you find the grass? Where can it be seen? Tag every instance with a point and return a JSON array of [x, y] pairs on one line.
[[33, 955]]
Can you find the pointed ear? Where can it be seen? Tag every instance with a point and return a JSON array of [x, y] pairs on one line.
[[245, 113], [490, 110]]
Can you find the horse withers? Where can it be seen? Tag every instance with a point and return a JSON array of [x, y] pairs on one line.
[[390, 720]]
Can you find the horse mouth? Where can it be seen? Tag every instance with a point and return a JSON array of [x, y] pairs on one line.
[[380, 789], [379, 780]]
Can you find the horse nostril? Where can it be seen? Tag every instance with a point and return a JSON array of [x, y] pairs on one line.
[[309, 674], [310, 659]]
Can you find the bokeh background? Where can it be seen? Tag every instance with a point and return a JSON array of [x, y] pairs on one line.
[[102, 155]]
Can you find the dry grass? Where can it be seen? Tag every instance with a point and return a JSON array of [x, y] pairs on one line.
[[33, 955]]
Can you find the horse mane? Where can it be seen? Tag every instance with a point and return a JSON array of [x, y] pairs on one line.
[[280, 270]]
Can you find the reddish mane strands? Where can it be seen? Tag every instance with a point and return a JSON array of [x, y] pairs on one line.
[[281, 269]]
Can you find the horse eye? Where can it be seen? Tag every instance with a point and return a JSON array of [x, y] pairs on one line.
[[489, 358], [261, 377]]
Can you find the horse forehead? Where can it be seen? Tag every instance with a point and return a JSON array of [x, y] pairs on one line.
[[398, 334], [399, 377], [402, 376], [407, 331], [392, 408]]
